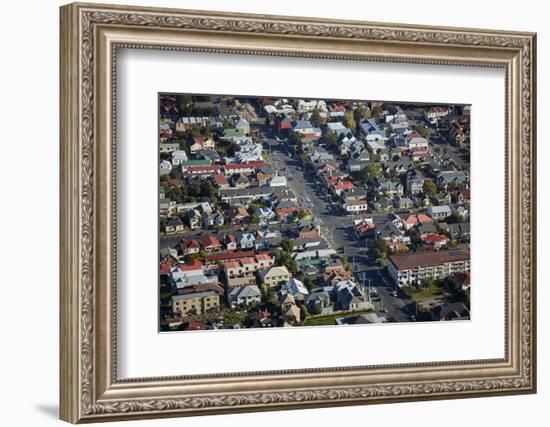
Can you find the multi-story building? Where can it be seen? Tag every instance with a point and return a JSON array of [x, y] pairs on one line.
[[412, 268], [198, 302]]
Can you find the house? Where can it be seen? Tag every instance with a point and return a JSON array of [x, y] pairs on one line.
[[241, 125], [382, 204], [194, 218], [245, 240], [450, 180], [355, 206], [277, 181], [240, 181], [389, 187], [245, 295], [364, 228], [433, 114], [463, 279], [169, 147], [286, 208], [211, 155], [178, 157], [239, 274], [210, 243], [460, 231], [172, 225], [290, 313], [339, 185], [318, 303], [265, 215], [165, 167], [189, 276], [426, 228], [201, 143], [212, 219], [434, 241], [196, 303], [450, 311], [412, 220], [189, 247], [415, 267], [220, 181], [230, 242], [239, 215], [395, 238], [274, 276], [294, 287], [349, 296], [439, 213], [414, 182], [403, 202]]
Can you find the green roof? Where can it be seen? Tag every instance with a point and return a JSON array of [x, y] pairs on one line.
[[205, 162], [309, 261]]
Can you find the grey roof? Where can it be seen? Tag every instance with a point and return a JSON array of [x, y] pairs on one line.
[[194, 295], [245, 292]]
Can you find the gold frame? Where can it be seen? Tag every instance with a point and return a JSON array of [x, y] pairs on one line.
[[90, 36]]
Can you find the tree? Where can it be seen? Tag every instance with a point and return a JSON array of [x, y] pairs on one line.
[[421, 130], [316, 119], [296, 138], [255, 218], [185, 103], [360, 113], [330, 138], [429, 188], [371, 172], [377, 112], [287, 245], [304, 312], [349, 122], [165, 156]]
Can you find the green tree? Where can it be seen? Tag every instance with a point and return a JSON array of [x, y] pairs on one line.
[[304, 312], [421, 130], [360, 113], [371, 172], [316, 119], [287, 245], [349, 122], [330, 138], [429, 188], [377, 112]]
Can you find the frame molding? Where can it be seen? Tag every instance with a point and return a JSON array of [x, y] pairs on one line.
[[90, 36]]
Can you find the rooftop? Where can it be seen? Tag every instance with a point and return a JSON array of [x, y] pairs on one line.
[[409, 261]]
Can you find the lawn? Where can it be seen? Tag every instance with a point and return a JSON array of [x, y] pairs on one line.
[[419, 293], [330, 319]]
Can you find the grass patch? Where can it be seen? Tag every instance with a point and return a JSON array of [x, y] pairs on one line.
[[330, 319]]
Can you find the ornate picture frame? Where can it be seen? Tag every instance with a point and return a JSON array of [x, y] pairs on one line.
[[90, 37]]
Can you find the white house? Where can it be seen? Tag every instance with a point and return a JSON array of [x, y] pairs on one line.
[[178, 157], [165, 167]]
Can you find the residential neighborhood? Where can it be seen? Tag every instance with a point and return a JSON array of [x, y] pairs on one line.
[[283, 212]]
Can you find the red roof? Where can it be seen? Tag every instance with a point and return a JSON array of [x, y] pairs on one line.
[[231, 264], [175, 182], [202, 168], [210, 240], [194, 326], [262, 257], [164, 268], [191, 266], [220, 179], [434, 238], [417, 219], [245, 165], [343, 185], [200, 139], [228, 255], [248, 260], [190, 244]]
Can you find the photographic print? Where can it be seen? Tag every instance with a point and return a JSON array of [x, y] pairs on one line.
[[287, 212]]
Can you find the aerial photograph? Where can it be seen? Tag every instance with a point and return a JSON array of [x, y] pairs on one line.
[[293, 212]]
